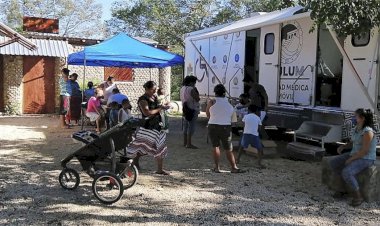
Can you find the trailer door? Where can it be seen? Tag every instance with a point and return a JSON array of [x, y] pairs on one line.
[[269, 61]]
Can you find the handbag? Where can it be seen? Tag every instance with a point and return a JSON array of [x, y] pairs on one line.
[[188, 113]]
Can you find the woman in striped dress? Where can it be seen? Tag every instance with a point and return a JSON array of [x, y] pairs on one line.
[[150, 139]]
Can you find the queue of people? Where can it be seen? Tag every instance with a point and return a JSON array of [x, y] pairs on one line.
[[354, 157], [101, 101]]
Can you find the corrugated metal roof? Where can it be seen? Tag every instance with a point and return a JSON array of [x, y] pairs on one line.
[[45, 47], [146, 40]]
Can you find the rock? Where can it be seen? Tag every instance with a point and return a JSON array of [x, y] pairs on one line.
[[368, 180]]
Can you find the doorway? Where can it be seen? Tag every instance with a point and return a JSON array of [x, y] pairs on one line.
[[39, 85], [330, 69], [252, 56]]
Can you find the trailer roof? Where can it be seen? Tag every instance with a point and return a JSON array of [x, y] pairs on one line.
[[257, 22]]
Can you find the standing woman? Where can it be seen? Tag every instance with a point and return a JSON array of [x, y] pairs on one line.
[[150, 139], [219, 112], [190, 102], [64, 97], [362, 154], [75, 100]]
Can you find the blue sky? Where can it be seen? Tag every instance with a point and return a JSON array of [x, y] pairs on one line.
[[106, 8]]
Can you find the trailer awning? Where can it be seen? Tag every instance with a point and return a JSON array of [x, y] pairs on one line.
[[257, 22]]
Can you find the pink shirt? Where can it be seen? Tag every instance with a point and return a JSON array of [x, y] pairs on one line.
[[93, 104]]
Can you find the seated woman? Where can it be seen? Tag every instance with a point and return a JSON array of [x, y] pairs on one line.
[[94, 110], [361, 156]]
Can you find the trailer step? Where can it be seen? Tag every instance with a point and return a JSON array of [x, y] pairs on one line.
[[302, 151]]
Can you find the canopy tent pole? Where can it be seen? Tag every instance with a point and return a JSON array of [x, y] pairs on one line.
[[83, 86]]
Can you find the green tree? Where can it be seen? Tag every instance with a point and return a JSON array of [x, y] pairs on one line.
[[79, 18], [347, 17], [165, 21]]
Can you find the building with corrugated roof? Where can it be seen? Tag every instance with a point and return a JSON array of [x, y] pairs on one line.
[[30, 67]]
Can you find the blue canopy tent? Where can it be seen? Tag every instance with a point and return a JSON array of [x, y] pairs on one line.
[[123, 51]]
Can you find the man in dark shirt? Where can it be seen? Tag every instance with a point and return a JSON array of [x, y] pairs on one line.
[[259, 97]]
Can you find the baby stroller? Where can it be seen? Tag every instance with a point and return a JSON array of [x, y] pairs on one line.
[[104, 159]]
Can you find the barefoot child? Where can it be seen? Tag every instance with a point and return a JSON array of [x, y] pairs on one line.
[[252, 123]]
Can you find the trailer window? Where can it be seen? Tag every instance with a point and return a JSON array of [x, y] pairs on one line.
[[361, 40], [269, 44]]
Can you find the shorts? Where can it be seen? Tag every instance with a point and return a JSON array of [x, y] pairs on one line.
[[220, 135], [250, 139], [93, 116]]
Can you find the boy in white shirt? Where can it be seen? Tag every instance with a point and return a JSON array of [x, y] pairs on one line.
[[252, 124]]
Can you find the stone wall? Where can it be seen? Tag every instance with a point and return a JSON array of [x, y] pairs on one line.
[[60, 63], [13, 73], [135, 89], [165, 80]]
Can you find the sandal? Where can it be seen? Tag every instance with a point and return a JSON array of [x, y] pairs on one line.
[[238, 171], [357, 202], [162, 173], [215, 170], [339, 195], [261, 167]]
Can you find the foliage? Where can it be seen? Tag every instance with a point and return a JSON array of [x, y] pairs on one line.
[[347, 17], [167, 21], [79, 18]]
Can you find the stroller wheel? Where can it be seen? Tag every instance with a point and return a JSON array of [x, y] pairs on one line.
[[107, 187], [69, 179], [129, 176]]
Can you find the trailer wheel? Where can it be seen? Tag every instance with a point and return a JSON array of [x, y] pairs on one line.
[[69, 179]]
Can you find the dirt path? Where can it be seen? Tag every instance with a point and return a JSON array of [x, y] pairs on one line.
[[287, 193]]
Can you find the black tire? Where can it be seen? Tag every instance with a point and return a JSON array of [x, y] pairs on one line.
[[129, 176], [107, 182], [69, 179]]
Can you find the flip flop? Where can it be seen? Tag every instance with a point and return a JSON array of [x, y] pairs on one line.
[[357, 202], [162, 173], [238, 171], [216, 170], [261, 167]]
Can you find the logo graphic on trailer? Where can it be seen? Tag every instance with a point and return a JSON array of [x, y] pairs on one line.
[[292, 42]]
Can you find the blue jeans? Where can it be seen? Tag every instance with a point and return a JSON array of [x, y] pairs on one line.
[[348, 172], [189, 126]]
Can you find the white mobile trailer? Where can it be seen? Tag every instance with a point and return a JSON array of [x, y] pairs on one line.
[[314, 80]]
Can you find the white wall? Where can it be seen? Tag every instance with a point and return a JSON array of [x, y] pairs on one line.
[[353, 96]]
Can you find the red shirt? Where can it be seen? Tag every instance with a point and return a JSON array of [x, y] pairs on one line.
[[93, 104]]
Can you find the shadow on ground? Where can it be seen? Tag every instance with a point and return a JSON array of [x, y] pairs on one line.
[[287, 193]]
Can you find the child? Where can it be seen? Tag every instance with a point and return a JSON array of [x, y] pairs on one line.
[[164, 114], [113, 117], [252, 123], [125, 111]]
